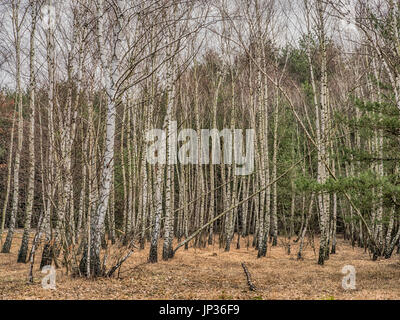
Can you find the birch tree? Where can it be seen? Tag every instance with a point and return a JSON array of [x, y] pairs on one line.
[[22, 255], [18, 17]]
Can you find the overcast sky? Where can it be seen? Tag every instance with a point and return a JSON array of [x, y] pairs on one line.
[[287, 27]]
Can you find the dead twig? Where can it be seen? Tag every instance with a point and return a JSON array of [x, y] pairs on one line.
[[252, 287]]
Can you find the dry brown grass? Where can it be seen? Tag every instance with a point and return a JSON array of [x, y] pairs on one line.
[[212, 273]]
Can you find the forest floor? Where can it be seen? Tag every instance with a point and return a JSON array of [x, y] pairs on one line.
[[211, 273]]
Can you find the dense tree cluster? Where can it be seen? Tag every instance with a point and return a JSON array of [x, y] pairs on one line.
[[91, 78]]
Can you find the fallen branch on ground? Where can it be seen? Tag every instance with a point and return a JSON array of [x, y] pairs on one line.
[[252, 287]]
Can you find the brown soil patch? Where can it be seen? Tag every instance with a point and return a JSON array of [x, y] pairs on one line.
[[211, 273]]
